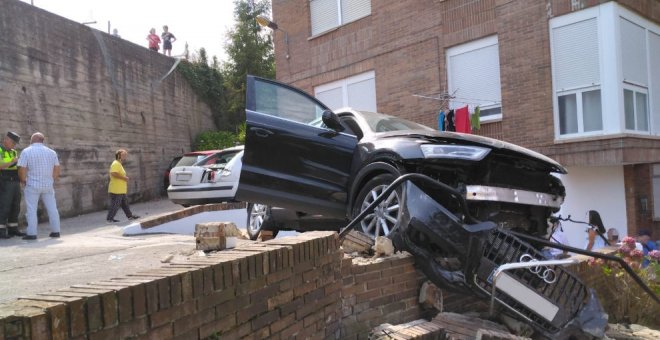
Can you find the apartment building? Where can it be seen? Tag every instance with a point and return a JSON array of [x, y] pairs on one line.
[[577, 80]]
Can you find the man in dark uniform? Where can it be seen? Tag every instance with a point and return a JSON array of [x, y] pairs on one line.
[[10, 188]]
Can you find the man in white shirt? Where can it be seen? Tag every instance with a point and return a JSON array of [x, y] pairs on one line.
[[38, 169]]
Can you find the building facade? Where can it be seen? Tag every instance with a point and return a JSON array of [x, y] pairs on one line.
[[577, 80]]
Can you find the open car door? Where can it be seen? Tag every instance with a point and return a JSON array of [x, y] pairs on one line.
[[292, 160]]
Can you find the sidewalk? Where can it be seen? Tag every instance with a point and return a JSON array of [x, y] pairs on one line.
[[89, 250]]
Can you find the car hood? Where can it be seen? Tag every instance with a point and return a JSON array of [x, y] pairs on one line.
[[434, 136]]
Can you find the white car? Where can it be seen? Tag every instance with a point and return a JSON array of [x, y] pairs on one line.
[[213, 179]]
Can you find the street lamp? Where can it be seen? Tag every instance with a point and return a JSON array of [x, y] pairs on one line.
[[265, 22]]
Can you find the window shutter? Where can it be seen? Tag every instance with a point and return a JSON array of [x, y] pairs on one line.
[[576, 57], [352, 10], [324, 15], [332, 98], [362, 95], [475, 76], [633, 52], [654, 49]]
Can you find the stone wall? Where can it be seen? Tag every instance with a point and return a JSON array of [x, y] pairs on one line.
[[91, 93]]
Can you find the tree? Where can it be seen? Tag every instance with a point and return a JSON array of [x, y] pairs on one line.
[[250, 51]]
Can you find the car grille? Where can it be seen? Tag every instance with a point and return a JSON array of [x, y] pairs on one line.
[[566, 292]]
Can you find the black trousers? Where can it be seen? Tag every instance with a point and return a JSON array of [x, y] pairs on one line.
[[116, 201], [10, 202]]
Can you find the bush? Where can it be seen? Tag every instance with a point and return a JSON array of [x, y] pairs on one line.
[[624, 300], [216, 140]]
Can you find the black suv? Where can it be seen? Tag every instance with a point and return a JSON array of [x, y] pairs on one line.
[[301, 156]]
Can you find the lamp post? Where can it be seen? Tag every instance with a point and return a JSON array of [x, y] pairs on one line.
[[265, 22]]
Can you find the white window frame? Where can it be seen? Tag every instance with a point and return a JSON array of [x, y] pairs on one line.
[[483, 103], [635, 90], [578, 92], [612, 82], [343, 85], [340, 20]]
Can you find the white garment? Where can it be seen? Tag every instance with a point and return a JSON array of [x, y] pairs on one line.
[[598, 242], [558, 237], [47, 195]]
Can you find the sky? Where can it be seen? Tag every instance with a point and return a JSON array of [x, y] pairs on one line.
[[201, 23]]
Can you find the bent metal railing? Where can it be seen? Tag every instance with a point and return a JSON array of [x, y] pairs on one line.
[[428, 181]]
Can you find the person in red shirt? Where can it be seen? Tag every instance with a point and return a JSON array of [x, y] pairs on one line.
[[154, 40]]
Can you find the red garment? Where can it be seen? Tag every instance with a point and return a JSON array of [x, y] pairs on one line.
[[462, 120], [154, 41]]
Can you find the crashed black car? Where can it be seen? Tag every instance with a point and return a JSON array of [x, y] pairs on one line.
[[301, 156]]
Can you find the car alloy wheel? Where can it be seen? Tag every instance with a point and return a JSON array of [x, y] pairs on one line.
[[385, 216], [257, 214]]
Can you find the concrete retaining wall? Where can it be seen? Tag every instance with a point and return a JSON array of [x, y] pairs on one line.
[[91, 93]]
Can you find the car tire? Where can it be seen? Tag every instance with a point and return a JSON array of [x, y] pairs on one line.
[[386, 215], [258, 219]]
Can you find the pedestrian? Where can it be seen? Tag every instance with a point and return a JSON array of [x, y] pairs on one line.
[[118, 188], [38, 169], [10, 188], [115, 32], [168, 39], [595, 232], [154, 40], [647, 245], [612, 236]]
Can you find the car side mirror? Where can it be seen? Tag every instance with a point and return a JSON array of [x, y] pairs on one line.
[[331, 120]]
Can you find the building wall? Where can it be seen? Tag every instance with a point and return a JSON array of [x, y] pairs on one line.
[[405, 44], [594, 188], [90, 94]]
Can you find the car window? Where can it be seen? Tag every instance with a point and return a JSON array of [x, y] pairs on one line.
[[379, 122], [218, 159], [189, 160], [276, 100]]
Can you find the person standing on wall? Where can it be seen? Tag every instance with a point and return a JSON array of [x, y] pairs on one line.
[[118, 188], [154, 40], [38, 169], [10, 188], [168, 39]]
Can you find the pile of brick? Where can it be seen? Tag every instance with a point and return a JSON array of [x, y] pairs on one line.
[[444, 326]]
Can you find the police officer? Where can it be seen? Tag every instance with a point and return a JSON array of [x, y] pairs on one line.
[[10, 188]]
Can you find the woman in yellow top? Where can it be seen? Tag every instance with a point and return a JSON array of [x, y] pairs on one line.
[[118, 188]]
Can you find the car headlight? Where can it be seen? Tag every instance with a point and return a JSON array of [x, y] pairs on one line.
[[473, 153], [225, 173]]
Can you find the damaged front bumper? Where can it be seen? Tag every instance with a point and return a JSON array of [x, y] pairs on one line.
[[461, 253]]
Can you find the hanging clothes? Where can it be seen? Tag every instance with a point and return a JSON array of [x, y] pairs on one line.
[[462, 119], [441, 121], [475, 120], [450, 126]]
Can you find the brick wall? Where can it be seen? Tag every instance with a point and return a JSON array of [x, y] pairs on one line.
[[405, 43], [91, 93], [293, 287], [282, 288]]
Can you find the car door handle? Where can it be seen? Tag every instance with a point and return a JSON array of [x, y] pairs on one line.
[[261, 132]]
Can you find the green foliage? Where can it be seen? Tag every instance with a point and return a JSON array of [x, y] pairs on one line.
[[216, 140], [208, 82], [250, 51]]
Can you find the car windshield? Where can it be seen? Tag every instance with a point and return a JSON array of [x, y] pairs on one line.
[[218, 160], [379, 122], [190, 160]]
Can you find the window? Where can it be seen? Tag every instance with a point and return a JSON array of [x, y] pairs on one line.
[[357, 92], [656, 191], [605, 73], [473, 76], [577, 77], [328, 14]]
